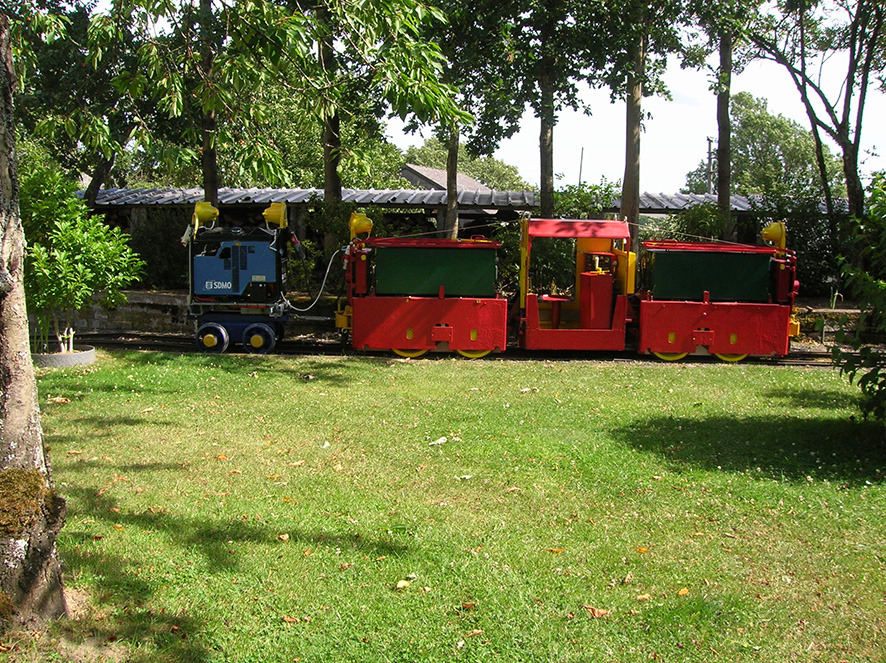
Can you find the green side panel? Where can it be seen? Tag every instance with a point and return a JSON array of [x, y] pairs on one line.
[[421, 271], [686, 275]]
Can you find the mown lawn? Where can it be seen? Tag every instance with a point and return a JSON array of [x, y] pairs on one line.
[[309, 509]]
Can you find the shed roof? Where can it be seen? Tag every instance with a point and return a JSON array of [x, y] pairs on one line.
[[468, 199], [394, 198], [434, 178]]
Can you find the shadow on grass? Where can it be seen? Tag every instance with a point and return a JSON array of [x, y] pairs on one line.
[[847, 453], [335, 369], [124, 610], [808, 398], [122, 613]]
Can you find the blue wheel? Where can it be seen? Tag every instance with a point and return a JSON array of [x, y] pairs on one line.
[[259, 338], [212, 337]]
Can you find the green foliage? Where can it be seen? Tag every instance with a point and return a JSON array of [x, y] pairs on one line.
[[585, 200], [698, 223], [264, 48], [772, 156], [72, 256], [867, 366]]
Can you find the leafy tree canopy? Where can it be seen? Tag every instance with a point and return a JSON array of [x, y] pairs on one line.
[[772, 155]]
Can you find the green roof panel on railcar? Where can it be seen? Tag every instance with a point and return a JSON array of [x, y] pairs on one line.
[[687, 275], [421, 272]]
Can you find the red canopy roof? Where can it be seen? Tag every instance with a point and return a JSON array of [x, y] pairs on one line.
[[574, 228]]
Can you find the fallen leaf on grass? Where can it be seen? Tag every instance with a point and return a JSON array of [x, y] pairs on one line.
[[291, 620], [345, 566], [596, 613], [627, 579], [74, 453], [221, 457], [283, 537], [61, 400], [644, 597], [297, 463], [402, 584], [642, 550], [476, 631], [235, 472], [556, 550], [119, 527], [513, 489], [683, 592], [272, 476]]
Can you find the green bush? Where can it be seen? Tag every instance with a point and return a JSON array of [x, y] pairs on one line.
[[867, 280], [72, 256]]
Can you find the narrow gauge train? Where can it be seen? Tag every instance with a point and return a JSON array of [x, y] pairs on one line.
[[413, 295]]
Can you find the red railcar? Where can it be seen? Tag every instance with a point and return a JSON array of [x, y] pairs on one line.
[[414, 295]]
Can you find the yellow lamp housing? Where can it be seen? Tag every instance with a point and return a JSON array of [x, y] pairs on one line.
[[775, 233], [276, 214], [204, 213], [359, 224]]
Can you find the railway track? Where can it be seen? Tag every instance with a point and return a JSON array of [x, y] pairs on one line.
[[318, 345]]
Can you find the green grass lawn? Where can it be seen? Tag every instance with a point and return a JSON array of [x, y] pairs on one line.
[[283, 509]]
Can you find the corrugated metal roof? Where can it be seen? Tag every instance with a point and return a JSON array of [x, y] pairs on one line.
[[661, 203], [650, 203], [114, 198]]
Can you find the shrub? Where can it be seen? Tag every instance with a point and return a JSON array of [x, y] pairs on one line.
[[71, 256], [867, 280]]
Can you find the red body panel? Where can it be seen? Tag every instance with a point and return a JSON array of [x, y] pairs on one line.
[[721, 327], [420, 323], [536, 338]]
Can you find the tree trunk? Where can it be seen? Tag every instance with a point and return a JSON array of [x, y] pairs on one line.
[[332, 158], [210, 159], [546, 151], [546, 131], [30, 575], [854, 187], [450, 225], [630, 189], [208, 122], [724, 137], [99, 175]]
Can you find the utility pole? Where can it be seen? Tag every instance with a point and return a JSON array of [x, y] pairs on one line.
[[581, 162]]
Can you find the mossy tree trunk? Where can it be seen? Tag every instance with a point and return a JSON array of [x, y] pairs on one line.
[[31, 515]]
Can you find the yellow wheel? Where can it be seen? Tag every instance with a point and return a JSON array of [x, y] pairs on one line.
[[473, 354], [410, 354], [670, 356], [729, 358]]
